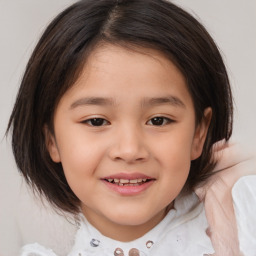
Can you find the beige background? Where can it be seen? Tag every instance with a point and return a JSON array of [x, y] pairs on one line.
[[232, 23]]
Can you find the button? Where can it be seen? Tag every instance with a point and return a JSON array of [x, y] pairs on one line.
[[134, 252], [95, 243], [118, 252], [149, 244]]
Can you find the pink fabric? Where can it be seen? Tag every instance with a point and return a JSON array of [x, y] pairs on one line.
[[233, 163]]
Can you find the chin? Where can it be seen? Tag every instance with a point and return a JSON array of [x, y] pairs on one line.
[[135, 218]]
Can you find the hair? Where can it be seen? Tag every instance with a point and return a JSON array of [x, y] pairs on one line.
[[61, 53]]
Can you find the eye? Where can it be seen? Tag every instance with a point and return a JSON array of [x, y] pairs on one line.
[[96, 122], [159, 121]]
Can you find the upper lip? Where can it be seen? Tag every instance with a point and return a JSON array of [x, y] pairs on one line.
[[128, 176]]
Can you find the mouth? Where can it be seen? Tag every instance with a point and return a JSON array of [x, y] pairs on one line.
[[130, 182]]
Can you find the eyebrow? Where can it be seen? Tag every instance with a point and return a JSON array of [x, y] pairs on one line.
[[99, 101], [169, 100], [92, 101]]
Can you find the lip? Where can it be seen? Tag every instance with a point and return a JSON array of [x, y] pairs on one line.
[[128, 176], [128, 190]]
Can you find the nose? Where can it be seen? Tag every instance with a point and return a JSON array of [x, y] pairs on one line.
[[129, 145]]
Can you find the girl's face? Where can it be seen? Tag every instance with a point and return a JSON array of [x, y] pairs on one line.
[[125, 134]]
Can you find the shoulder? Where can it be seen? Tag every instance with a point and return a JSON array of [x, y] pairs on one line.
[[244, 190], [245, 183], [244, 202]]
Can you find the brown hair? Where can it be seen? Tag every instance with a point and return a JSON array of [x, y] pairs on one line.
[[61, 53]]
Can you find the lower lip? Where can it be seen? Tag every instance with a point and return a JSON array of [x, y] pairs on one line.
[[129, 190]]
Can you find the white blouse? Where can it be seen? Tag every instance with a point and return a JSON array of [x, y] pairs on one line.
[[181, 232]]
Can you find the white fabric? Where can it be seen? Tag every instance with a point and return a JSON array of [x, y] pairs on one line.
[[244, 201], [179, 233], [182, 231]]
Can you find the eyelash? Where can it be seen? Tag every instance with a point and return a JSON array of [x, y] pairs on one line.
[[165, 120], [98, 122]]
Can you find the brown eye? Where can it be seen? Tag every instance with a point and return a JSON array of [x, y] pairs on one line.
[[159, 121], [96, 122]]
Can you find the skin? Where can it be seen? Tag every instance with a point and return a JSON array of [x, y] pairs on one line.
[[134, 87]]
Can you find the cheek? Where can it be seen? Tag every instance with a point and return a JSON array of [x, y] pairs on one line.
[[79, 167], [174, 155], [176, 165], [175, 147], [80, 157]]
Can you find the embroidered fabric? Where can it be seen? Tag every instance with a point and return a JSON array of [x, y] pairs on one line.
[[172, 235]]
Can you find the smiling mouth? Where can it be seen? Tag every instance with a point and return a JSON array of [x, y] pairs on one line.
[[126, 182]]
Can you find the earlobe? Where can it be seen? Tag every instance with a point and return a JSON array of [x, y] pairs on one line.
[[200, 134], [51, 145]]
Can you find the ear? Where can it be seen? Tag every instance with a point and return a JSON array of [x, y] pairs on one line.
[[200, 134], [51, 145]]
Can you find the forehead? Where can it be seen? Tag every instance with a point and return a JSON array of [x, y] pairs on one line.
[[134, 60], [116, 72]]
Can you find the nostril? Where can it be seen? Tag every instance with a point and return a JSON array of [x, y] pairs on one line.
[[128, 151], [140, 159], [128, 157]]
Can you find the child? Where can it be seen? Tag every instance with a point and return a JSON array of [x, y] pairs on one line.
[[115, 122]]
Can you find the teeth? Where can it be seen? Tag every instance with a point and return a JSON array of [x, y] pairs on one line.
[[126, 182]]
